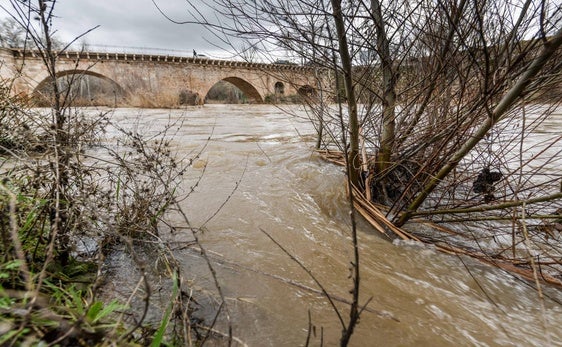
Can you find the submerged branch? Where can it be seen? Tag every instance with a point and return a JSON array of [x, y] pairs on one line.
[[488, 207]]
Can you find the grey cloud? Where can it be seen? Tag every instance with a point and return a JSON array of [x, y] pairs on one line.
[[132, 23]]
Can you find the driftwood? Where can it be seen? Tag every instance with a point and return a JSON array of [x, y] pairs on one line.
[[375, 216]]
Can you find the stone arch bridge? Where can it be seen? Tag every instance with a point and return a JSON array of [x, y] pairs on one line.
[[161, 80]]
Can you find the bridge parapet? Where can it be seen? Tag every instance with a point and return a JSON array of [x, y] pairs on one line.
[[106, 56]]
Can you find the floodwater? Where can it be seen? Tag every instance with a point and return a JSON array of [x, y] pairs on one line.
[[258, 170]]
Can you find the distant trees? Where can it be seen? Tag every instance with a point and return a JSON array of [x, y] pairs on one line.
[[81, 90], [225, 92], [12, 35]]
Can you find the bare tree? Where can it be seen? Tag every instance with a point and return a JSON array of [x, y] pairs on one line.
[[439, 92], [427, 75]]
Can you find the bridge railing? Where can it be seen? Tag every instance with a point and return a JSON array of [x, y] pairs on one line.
[[136, 50]]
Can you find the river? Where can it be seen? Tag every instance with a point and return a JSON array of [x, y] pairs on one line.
[[261, 162]]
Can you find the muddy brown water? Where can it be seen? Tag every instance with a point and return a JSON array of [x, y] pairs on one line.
[[262, 161]]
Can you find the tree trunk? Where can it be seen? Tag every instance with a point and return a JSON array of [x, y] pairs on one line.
[[354, 165], [389, 94]]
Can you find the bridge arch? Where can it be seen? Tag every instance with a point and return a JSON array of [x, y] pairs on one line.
[[117, 91], [279, 88], [246, 87]]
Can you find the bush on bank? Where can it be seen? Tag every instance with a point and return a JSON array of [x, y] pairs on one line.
[[64, 188]]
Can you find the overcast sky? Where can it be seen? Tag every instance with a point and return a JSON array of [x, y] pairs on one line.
[[131, 23]]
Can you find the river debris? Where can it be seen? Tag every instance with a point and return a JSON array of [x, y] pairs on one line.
[[484, 183], [531, 250]]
